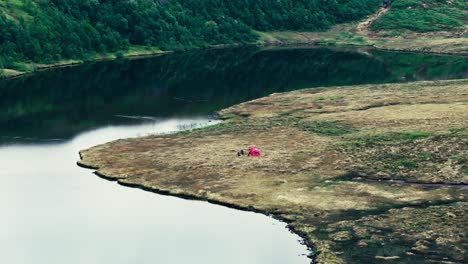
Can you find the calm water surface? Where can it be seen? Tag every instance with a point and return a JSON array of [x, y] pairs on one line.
[[56, 212]]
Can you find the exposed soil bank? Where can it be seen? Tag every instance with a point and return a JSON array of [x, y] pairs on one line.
[[311, 138]]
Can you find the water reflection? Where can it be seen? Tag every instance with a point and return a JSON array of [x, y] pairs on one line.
[[63, 102], [56, 212]]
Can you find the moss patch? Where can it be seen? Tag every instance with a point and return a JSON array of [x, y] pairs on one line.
[[327, 128]]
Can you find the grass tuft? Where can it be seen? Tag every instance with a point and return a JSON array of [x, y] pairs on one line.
[[327, 128]]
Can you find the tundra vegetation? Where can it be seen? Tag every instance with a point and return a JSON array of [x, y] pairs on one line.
[[367, 174]]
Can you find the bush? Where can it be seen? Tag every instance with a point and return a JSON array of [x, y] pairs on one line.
[[423, 16]]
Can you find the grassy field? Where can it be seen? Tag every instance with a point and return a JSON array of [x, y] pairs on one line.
[[325, 151]]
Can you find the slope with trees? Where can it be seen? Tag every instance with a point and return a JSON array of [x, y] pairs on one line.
[[47, 31]]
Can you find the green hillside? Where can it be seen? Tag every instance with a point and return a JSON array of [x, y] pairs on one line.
[[45, 31], [425, 16]]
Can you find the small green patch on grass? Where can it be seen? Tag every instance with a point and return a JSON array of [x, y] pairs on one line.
[[366, 141], [405, 163], [414, 135], [461, 160], [397, 161], [328, 98], [327, 128], [425, 156], [457, 158], [350, 37], [457, 131]]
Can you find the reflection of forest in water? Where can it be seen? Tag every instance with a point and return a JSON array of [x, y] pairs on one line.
[[63, 102]]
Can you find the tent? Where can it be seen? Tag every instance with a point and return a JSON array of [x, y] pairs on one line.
[[255, 152]]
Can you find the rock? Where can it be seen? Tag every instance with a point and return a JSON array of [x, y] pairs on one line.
[[342, 236], [420, 246], [362, 243], [382, 174], [450, 214]]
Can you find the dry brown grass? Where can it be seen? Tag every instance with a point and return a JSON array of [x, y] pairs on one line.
[[312, 139]]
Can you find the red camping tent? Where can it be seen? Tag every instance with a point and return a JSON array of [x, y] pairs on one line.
[[254, 152]]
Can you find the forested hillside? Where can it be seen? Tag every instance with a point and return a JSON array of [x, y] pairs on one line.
[[45, 31]]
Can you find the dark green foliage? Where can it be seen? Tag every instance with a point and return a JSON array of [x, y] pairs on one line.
[[424, 15], [50, 30]]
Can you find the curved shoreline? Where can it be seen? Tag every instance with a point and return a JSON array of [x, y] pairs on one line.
[[293, 185], [187, 196]]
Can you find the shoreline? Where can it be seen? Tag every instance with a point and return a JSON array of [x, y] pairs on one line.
[[167, 192], [41, 68], [351, 45], [290, 43], [186, 196], [306, 217], [323, 43]]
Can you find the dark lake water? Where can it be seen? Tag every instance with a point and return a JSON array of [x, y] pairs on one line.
[[56, 212]]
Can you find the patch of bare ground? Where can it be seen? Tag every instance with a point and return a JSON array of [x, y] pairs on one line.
[[363, 28], [311, 140]]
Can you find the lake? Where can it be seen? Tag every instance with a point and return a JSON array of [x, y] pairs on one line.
[[56, 212]]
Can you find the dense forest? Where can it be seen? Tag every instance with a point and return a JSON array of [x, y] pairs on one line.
[[45, 31]]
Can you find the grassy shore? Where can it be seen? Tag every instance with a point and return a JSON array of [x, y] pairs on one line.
[[427, 26], [132, 52], [357, 34], [348, 34], [331, 158]]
